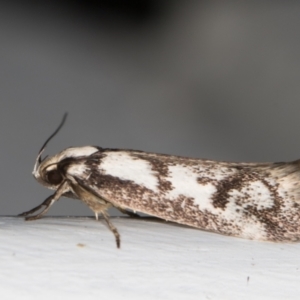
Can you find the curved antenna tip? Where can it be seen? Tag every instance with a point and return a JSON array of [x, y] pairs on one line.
[[51, 136]]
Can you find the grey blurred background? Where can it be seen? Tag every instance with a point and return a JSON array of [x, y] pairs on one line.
[[210, 79]]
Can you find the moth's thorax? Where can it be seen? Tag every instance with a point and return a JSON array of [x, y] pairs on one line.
[[51, 163]]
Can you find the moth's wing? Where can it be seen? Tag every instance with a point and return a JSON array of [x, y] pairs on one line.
[[247, 200], [148, 182], [119, 176]]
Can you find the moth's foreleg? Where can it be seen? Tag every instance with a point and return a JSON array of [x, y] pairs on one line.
[[112, 228], [47, 203], [63, 188]]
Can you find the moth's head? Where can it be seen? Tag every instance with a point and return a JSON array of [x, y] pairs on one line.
[[50, 170], [46, 170]]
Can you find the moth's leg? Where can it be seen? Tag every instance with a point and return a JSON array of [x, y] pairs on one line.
[[63, 188], [129, 213], [46, 203], [112, 228]]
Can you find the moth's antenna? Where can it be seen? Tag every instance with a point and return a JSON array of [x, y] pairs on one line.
[[39, 159], [53, 134]]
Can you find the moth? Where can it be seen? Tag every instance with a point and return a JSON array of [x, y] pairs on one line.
[[250, 200]]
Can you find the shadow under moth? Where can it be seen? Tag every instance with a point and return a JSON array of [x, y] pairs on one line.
[[250, 200]]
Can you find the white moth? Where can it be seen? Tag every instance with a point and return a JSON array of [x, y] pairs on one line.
[[249, 200]]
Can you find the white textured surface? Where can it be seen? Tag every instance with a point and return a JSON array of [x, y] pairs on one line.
[[157, 260]]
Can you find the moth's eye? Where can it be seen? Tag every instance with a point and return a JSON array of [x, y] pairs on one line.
[[54, 177]]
